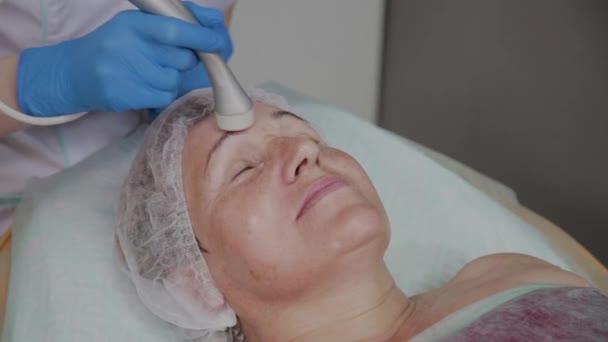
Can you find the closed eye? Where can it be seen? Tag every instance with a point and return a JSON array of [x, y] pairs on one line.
[[250, 167], [242, 171]]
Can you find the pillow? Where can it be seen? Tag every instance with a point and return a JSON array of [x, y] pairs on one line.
[[65, 284]]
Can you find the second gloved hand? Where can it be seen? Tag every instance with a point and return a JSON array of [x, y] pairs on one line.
[[134, 61]]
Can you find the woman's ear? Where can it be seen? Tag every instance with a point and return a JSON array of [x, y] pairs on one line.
[[195, 289], [199, 301]]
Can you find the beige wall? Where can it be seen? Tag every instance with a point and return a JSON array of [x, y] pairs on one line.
[[328, 49]]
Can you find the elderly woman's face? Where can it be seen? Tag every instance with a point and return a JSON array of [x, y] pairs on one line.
[[278, 211]]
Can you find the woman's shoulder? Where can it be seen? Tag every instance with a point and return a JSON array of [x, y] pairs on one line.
[[494, 273], [487, 276], [514, 269]]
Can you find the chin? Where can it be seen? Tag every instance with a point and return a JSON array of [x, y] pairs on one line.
[[360, 226]]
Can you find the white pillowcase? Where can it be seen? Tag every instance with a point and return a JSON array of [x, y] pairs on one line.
[[65, 285]]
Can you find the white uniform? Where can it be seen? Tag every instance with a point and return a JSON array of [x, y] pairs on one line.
[[42, 151]]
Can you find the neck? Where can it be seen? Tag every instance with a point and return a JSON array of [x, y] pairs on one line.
[[370, 308]]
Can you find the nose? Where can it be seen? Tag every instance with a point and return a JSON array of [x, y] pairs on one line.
[[301, 156]]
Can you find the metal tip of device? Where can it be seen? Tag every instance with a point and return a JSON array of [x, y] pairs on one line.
[[233, 105], [235, 122]]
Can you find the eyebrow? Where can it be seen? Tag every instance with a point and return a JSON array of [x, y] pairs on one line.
[[276, 115]]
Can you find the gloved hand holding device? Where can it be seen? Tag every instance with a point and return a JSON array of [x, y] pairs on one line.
[[133, 61]]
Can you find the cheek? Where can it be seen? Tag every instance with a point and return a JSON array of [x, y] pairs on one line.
[[364, 220], [346, 166], [240, 224], [249, 235], [259, 251]]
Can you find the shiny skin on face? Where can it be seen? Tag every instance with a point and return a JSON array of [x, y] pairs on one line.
[[276, 208]]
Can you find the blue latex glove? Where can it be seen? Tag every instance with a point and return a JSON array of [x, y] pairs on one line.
[[193, 79], [134, 61], [198, 77]]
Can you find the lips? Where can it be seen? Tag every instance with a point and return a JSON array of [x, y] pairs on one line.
[[317, 191]]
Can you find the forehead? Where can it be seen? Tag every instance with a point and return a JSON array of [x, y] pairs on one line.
[[207, 132]]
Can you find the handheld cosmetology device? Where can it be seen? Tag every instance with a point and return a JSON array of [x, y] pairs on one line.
[[37, 121], [233, 107]]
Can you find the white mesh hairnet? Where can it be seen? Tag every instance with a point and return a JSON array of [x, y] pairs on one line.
[[154, 234]]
